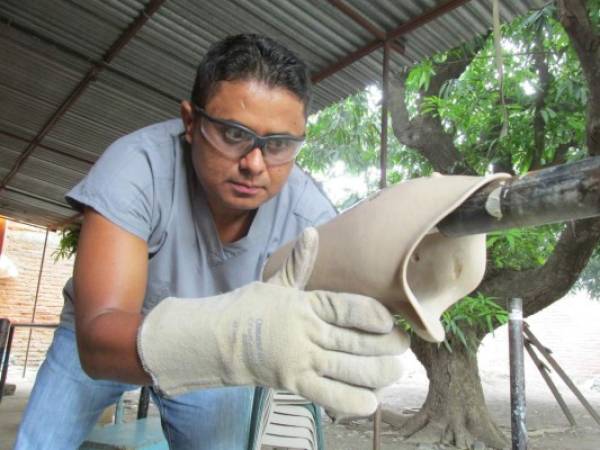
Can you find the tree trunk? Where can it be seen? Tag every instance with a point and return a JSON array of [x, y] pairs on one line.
[[454, 411]]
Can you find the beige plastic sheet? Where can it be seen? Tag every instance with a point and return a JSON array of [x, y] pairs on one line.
[[388, 247]]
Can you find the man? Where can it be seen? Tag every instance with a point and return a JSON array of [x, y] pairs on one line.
[[191, 209]]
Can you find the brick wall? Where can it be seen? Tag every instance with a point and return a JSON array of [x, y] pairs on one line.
[[24, 245]]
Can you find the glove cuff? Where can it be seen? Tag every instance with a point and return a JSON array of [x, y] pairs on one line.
[[177, 349]]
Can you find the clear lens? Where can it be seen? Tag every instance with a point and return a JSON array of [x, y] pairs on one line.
[[281, 150], [235, 142], [235, 136], [231, 141]]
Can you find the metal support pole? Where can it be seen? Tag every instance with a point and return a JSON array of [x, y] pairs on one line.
[[6, 344], [562, 374], [517, 375], [120, 410], [382, 184], [384, 116], [7, 332], [377, 429], [143, 402], [544, 372], [4, 330], [35, 301]]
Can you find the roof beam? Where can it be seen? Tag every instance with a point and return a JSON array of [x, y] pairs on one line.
[[403, 29], [365, 23], [37, 197], [45, 147], [65, 223], [80, 56], [90, 76]]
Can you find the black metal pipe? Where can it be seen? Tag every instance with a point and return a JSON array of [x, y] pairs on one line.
[[377, 429], [383, 151], [7, 331], [517, 375], [143, 402], [546, 353], [35, 325], [35, 301], [6, 337], [544, 372], [552, 195], [4, 329]]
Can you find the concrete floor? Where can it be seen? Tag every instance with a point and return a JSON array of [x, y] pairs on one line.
[[546, 424], [12, 407]]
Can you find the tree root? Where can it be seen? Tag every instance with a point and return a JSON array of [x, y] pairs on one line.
[[423, 428]]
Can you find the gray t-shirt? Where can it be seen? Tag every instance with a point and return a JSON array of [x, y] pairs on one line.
[[145, 184]]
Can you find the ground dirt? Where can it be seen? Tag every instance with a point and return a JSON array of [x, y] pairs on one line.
[[548, 429], [569, 328]]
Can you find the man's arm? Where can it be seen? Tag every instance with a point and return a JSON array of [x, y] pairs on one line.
[[110, 281]]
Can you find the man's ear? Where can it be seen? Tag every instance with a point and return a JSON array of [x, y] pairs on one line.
[[187, 115]]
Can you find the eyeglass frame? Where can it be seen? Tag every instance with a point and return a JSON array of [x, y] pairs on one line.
[[257, 140]]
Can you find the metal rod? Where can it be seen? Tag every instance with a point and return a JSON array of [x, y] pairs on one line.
[[4, 331], [45, 147], [403, 29], [2, 235], [377, 429], [8, 332], [358, 18], [35, 301], [9, 22], [89, 77], [143, 402], [120, 410], [346, 61], [64, 223], [543, 371], [384, 116], [561, 373], [6, 344], [34, 325], [552, 195], [517, 375], [30, 195], [365, 23]]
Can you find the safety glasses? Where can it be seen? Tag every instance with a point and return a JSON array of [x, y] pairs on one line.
[[234, 141]]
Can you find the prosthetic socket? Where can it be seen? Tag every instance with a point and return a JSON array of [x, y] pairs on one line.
[[387, 247]]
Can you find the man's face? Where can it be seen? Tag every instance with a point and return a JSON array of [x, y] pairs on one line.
[[243, 184]]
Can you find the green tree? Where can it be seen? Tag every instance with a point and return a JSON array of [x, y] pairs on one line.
[[448, 116]]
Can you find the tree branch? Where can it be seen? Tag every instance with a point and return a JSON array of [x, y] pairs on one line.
[[560, 155], [586, 42], [425, 133], [542, 286], [539, 125]]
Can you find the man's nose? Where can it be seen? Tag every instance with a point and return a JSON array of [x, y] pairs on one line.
[[253, 161]]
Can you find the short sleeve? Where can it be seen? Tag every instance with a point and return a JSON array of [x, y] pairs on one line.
[[313, 206], [120, 187]]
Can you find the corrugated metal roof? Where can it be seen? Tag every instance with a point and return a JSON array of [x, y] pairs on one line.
[[47, 47]]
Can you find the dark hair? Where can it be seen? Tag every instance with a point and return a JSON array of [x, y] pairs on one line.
[[251, 57]]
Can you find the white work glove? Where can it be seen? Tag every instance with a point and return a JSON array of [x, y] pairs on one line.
[[332, 348]]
